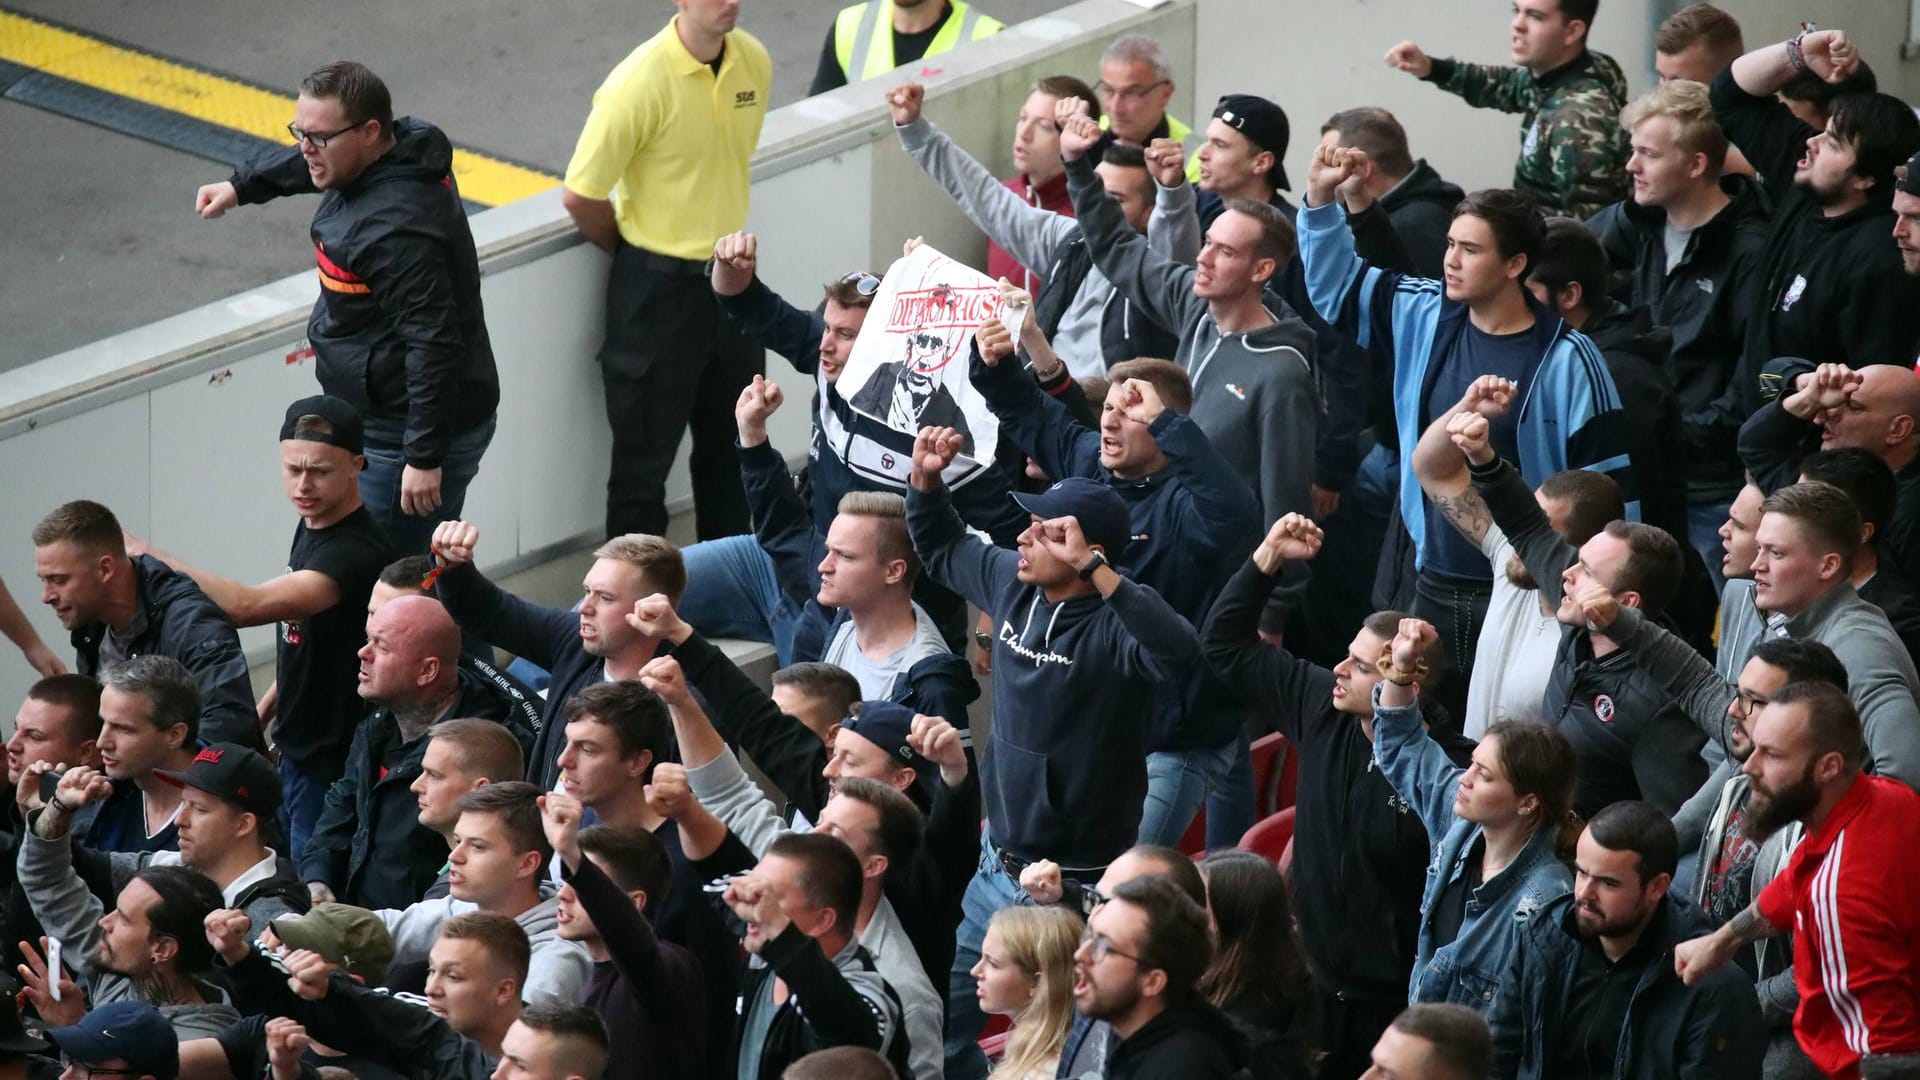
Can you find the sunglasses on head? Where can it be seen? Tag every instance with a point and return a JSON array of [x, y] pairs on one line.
[[863, 283]]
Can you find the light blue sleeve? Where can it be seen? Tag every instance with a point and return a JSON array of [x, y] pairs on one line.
[[1415, 765]]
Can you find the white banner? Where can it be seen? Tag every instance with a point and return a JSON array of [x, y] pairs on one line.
[[909, 365]]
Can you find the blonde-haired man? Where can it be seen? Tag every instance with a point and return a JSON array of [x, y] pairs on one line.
[[580, 648], [1690, 235]]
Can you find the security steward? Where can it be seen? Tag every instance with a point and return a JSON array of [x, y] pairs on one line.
[[659, 174], [857, 50]]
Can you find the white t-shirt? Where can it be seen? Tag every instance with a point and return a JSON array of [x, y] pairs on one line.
[[877, 677], [1517, 648]]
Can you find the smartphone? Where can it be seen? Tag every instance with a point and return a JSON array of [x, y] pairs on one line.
[[48, 781], [53, 968]]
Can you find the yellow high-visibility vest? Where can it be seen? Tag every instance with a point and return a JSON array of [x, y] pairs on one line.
[[863, 36], [1178, 132]]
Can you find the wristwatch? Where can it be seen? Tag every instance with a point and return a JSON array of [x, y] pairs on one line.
[[1086, 572]]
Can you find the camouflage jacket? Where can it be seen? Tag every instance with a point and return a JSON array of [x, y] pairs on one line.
[[1573, 151]]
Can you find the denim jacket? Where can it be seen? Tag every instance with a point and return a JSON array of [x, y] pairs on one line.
[[1467, 970]]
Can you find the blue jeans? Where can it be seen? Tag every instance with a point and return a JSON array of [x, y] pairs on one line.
[[1177, 782], [732, 592], [380, 488], [1703, 534], [302, 796], [989, 891]]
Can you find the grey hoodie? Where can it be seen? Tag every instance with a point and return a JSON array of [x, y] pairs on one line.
[[69, 912], [559, 969], [1027, 232]]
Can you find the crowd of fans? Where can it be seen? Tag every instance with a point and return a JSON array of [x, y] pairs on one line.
[[1565, 535]]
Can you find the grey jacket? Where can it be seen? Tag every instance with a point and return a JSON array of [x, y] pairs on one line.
[[1880, 675], [559, 969], [68, 911], [1254, 393], [1027, 232], [728, 793]]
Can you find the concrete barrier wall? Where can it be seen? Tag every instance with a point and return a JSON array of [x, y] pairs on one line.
[[173, 424]]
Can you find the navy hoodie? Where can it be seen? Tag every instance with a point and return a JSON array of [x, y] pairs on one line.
[[1191, 520], [1073, 689]]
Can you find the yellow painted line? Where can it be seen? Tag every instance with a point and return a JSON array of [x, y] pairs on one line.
[[213, 99]]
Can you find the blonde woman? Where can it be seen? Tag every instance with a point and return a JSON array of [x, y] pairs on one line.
[[1026, 973]]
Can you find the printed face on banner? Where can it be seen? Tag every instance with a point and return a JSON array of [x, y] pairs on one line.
[[908, 369]]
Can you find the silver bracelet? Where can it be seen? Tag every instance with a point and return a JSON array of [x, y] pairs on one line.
[[1794, 58]]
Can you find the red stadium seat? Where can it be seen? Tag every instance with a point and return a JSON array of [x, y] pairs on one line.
[[1286, 864], [1270, 837], [1275, 774]]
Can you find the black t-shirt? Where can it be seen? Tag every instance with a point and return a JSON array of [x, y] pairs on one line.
[[1478, 353], [1450, 907], [906, 49], [318, 667]]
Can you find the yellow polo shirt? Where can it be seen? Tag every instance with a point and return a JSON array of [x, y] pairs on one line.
[[669, 142]]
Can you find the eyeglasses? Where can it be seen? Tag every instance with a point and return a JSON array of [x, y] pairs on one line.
[[319, 139], [1129, 93], [863, 283], [81, 1070], [1100, 947]]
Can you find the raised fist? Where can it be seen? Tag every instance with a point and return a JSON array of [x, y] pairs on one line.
[[663, 676], [904, 102], [1408, 58], [213, 200], [1293, 538], [454, 541], [933, 450], [996, 344], [735, 256], [1167, 161], [1469, 432]]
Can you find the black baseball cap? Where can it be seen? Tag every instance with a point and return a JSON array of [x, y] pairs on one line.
[[1102, 514], [1265, 126], [348, 433], [885, 724], [1907, 177], [234, 773]]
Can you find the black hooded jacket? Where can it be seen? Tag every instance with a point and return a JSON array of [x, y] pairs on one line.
[[1830, 289], [1360, 852], [1195, 1042], [398, 330], [176, 619], [1636, 353], [1421, 209], [1703, 300]]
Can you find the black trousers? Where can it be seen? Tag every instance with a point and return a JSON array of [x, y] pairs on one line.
[[1456, 608], [672, 361], [1348, 1030]]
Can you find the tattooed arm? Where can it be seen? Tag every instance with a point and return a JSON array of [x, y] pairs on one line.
[[1443, 476], [1695, 960]]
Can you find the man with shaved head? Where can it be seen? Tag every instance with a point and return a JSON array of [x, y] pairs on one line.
[[1875, 408], [369, 847]]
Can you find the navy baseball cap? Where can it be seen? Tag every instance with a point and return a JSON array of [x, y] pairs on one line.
[[234, 773], [885, 724], [132, 1031], [348, 432], [1102, 514], [1265, 126], [1907, 177]]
